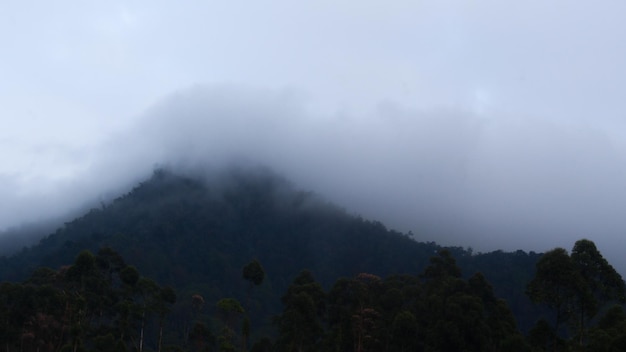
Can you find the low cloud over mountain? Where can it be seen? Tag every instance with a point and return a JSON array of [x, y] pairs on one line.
[[451, 176]]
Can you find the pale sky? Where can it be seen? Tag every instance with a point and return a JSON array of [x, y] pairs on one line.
[[491, 124]]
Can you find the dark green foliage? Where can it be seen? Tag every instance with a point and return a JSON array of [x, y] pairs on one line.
[[576, 287], [555, 284], [201, 338], [254, 272], [105, 343], [460, 314], [263, 345], [435, 311], [300, 324], [610, 332], [404, 332], [599, 284], [440, 312], [196, 237], [442, 266], [129, 275], [230, 312], [85, 306], [229, 309], [542, 336], [509, 274]]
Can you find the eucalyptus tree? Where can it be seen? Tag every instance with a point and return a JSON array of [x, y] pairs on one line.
[[230, 312], [254, 273], [600, 284], [576, 286], [556, 284], [300, 324]]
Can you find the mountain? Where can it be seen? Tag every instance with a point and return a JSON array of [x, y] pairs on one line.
[[195, 232]]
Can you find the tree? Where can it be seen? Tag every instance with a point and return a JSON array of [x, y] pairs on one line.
[[365, 320], [263, 345], [542, 336], [166, 299], [300, 327], [441, 266], [254, 273], [229, 311], [98, 303], [201, 337], [147, 292], [404, 332], [600, 283], [610, 332], [463, 315], [556, 284], [576, 287]]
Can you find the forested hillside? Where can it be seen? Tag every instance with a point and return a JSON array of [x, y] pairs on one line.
[[195, 234]]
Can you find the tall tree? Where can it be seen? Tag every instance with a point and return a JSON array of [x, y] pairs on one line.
[[254, 273], [404, 332], [577, 287], [229, 311], [166, 298], [600, 283], [441, 266], [300, 325], [556, 284], [147, 298], [365, 319]]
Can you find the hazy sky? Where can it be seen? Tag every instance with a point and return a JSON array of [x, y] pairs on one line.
[[491, 124]]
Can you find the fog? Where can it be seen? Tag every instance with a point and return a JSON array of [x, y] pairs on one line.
[[478, 124], [451, 176], [487, 182]]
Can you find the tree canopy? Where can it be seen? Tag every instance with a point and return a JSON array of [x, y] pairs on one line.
[[576, 287]]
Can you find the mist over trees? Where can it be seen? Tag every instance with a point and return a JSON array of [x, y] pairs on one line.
[[244, 261], [468, 180]]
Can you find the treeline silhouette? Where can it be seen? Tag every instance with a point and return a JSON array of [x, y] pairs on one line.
[[363, 289]]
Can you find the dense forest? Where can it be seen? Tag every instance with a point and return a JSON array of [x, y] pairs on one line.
[[240, 260]]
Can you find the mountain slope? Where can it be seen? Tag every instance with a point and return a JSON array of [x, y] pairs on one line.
[[197, 232]]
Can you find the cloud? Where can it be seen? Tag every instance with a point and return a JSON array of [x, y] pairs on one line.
[[450, 176], [489, 124], [444, 173]]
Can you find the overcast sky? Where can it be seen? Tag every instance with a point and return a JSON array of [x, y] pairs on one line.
[[491, 124]]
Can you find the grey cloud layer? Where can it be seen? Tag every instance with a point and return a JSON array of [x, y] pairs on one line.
[[476, 172], [449, 176]]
